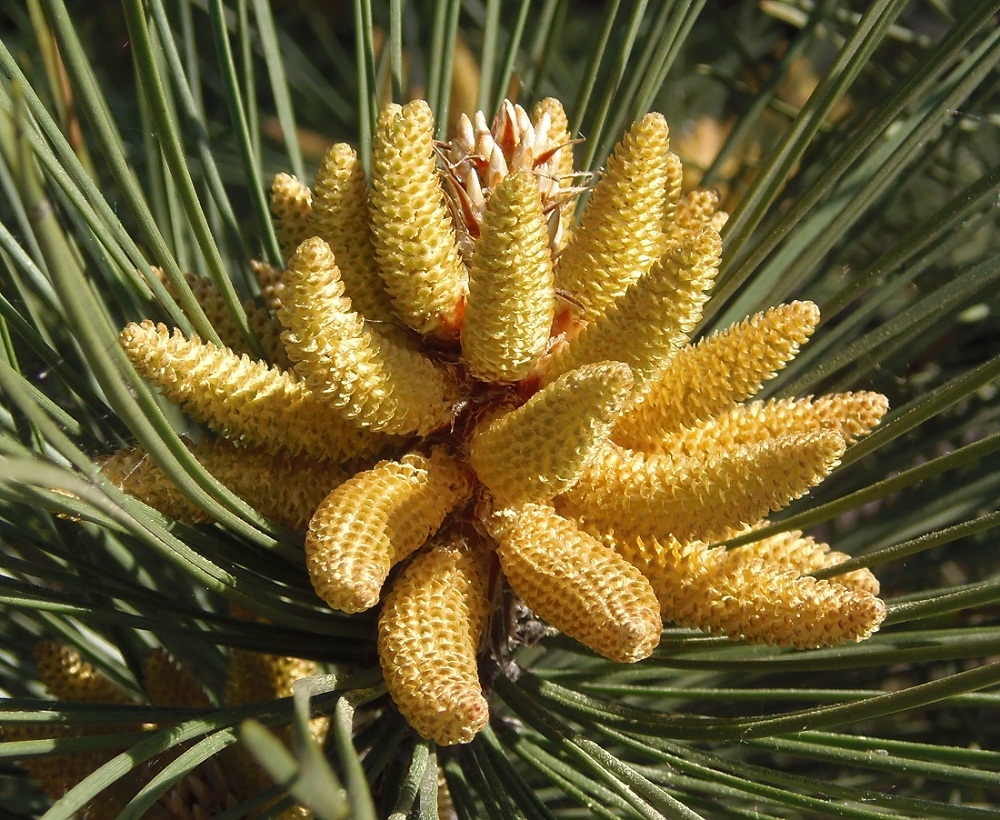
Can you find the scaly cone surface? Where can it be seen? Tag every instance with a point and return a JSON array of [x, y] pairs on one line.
[[542, 448], [376, 519], [656, 313], [247, 401], [339, 217], [706, 379], [415, 241], [291, 206], [511, 303], [620, 235], [281, 488], [742, 594], [576, 583], [428, 641], [362, 374]]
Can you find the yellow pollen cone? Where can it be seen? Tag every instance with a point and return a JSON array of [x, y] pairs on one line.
[[209, 297], [511, 300], [711, 377], [852, 415], [428, 637], [286, 490], [57, 774], [647, 325], [674, 180], [743, 596], [793, 550], [246, 401], [366, 376], [696, 210], [340, 218], [414, 238], [264, 325], [291, 204], [541, 448], [69, 677], [258, 677], [167, 683], [376, 519], [255, 677], [620, 235], [269, 281], [699, 498], [576, 583], [267, 329]]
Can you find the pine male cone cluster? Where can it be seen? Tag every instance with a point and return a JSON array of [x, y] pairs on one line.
[[474, 383]]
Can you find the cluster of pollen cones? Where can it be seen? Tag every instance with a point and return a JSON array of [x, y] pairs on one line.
[[466, 379]]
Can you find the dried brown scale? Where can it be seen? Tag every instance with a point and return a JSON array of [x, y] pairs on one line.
[[565, 169], [203, 793], [479, 157]]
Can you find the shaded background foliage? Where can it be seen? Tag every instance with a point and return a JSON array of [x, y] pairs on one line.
[[856, 146]]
